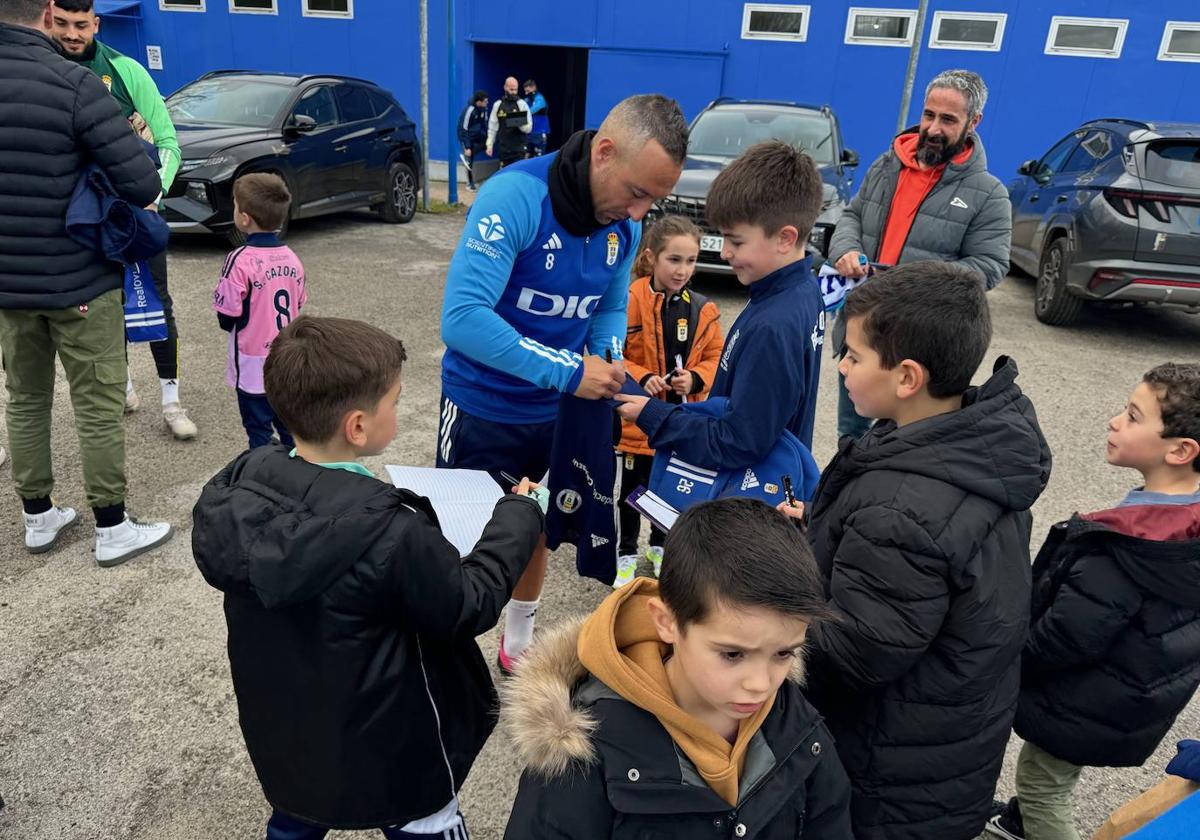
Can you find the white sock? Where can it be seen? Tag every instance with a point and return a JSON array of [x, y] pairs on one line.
[[129, 382], [170, 391], [518, 626]]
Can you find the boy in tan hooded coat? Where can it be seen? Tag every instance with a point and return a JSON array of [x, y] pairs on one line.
[[670, 709]]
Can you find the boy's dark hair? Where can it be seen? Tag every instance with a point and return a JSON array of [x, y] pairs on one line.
[[529, 83], [22, 11], [1177, 386], [770, 185], [73, 5], [934, 313], [320, 368], [264, 197], [742, 553], [479, 94]]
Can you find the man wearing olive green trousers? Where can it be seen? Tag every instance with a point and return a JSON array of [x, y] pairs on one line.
[[58, 298]]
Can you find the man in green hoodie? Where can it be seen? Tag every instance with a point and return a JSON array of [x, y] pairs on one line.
[[75, 25]]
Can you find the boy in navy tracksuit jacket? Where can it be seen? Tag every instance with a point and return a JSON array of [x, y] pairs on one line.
[[772, 358]]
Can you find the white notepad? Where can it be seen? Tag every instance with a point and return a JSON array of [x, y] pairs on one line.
[[463, 499]]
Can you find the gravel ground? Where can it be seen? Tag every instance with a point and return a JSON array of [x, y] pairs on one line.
[[117, 717]]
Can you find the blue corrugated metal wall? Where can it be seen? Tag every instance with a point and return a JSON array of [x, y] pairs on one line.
[[693, 50]]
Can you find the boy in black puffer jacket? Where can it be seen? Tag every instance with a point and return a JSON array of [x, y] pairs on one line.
[[922, 531], [362, 695], [1114, 652]]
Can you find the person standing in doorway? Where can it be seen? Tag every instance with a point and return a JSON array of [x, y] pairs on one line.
[[508, 125], [75, 26], [472, 133], [536, 144]]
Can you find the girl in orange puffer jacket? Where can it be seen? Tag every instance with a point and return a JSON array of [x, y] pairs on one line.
[[672, 349]]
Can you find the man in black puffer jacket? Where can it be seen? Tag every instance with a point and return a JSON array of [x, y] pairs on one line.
[[56, 296], [922, 529]]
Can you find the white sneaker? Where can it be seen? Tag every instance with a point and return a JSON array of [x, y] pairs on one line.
[[123, 542], [178, 422], [626, 570], [654, 555], [42, 530], [3, 456], [132, 402]]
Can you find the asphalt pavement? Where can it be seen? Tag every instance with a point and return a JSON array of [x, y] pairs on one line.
[[117, 715]]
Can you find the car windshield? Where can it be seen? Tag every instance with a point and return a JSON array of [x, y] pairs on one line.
[[727, 132], [228, 101]]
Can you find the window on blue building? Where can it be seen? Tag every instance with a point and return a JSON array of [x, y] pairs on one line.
[[967, 31], [181, 5], [1092, 37], [256, 7], [1181, 41], [881, 27], [775, 22], [329, 8]]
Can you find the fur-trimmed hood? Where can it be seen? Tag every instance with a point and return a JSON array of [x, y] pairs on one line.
[[537, 714], [544, 714]]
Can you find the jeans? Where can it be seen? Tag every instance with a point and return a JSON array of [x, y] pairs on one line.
[[1046, 791], [89, 340], [258, 417]]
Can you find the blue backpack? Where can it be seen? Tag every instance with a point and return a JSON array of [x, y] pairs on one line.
[[682, 484]]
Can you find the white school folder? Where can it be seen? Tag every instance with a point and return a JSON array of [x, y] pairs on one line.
[[464, 500]]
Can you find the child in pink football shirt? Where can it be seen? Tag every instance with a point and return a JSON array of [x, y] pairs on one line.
[[261, 291]]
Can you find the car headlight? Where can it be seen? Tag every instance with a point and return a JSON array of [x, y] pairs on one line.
[[195, 163], [197, 191]]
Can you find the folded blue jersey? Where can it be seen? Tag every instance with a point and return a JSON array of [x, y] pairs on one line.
[[582, 480], [682, 484]]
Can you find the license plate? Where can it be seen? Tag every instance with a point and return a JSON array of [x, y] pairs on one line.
[[712, 243]]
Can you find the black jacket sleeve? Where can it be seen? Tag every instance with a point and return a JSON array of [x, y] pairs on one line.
[[886, 620], [104, 134], [1090, 610], [828, 798], [464, 124], [571, 807], [440, 593]]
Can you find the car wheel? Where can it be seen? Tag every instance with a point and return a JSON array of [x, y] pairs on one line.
[[1054, 304], [237, 239], [400, 202]]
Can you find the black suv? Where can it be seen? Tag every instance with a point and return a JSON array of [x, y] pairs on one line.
[[1111, 214], [725, 129], [339, 143]]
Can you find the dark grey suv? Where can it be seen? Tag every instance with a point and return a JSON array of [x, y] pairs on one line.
[[1111, 214], [725, 129]]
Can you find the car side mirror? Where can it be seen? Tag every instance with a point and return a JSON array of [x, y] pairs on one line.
[[849, 157], [299, 124], [1029, 167]]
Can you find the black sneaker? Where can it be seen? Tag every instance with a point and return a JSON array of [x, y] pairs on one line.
[[1007, 823]]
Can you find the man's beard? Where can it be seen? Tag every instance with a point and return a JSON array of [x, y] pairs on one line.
[[936, 152]]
